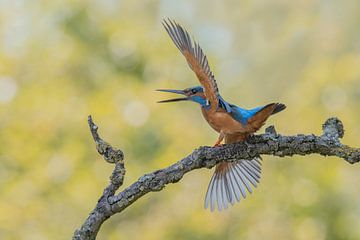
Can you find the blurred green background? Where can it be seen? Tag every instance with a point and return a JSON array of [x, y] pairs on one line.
[[63, 60]]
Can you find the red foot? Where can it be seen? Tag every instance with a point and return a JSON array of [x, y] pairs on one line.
[[217, 144]]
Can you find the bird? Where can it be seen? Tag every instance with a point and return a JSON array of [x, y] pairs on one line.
[[231, 181]]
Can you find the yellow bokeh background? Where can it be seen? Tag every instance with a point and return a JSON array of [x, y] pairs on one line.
[[63, 60]]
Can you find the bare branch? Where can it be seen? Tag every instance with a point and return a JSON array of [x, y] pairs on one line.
[[103, 209], [270, 143]]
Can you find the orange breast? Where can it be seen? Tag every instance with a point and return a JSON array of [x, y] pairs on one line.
[[223, 121]]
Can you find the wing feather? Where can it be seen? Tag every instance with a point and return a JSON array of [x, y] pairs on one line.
[[196, 60], [230, 183]]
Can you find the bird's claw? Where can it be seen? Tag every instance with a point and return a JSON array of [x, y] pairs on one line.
[[217, 144]]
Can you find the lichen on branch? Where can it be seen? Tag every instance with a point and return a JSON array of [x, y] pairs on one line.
[[269, 143]]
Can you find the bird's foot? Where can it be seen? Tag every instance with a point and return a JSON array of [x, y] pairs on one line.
[[219, 140], [217, 144]]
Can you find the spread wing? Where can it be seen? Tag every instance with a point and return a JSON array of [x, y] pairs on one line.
[[196, 59]]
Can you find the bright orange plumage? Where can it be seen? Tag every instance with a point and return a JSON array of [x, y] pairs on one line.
[[230, 181]]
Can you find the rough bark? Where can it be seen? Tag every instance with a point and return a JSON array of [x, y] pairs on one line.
[[269, 143]]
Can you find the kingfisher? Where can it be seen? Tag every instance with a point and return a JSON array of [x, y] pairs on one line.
[[231, 181]]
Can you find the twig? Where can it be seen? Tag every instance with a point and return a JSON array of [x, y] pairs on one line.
[[103, 209], [270, 143]]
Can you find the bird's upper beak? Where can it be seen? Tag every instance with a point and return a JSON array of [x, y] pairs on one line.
[[174, 99]]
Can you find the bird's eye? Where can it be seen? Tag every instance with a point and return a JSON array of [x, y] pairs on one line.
[[193, 91]]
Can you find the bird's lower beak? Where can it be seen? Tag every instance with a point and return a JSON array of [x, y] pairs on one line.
[[174, 99]]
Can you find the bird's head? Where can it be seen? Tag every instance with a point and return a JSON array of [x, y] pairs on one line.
[[195, 94]]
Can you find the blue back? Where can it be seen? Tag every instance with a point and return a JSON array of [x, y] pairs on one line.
[[238, 113], [242, 115]]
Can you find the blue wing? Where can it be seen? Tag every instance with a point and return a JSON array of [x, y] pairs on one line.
[[225, 105]]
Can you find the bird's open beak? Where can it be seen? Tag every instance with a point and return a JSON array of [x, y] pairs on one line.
[[174, 99]]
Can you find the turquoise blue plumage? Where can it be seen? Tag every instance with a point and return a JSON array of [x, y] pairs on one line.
[[230, 181]]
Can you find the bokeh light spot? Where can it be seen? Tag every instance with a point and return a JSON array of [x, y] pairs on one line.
[[136, 113], [8, 89], [333, 98]]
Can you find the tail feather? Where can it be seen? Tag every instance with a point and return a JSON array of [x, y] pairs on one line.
[[231, 181], [278, 107]]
